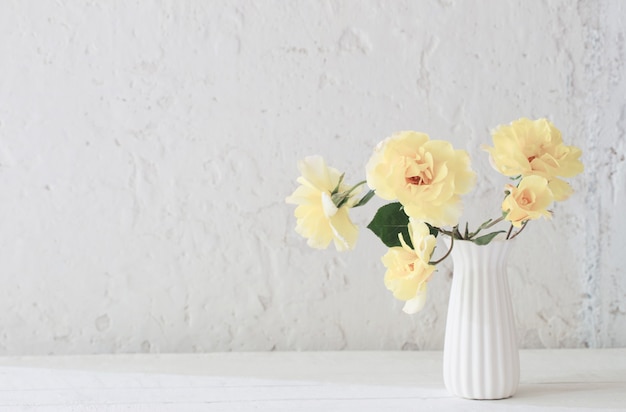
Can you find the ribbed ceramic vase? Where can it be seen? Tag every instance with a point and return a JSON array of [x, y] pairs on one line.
[[480, 357]]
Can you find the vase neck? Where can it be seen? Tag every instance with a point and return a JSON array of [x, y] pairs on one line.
[[468, 256]]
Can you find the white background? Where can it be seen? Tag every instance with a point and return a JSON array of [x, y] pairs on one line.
[[146, 149]]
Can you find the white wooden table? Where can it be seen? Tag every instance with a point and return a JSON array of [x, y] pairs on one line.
[[551, 380]]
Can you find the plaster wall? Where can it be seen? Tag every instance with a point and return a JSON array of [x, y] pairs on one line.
[[146, 149]]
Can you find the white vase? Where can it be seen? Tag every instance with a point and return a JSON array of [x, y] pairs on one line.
[[480, 356]]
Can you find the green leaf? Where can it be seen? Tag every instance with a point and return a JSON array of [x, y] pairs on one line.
[[388, 221], [432, 229], [485, 239], [365, 198], [481, 227], [336, 189], [484, 225]]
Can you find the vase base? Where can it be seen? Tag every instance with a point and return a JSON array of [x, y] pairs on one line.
[[481, 398], [485, 399]]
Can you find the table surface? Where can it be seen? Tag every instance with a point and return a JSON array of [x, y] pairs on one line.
[[554, 380]]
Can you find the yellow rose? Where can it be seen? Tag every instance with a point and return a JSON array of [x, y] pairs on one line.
[[535, 147], [408, 269], [417, 303], [318, 219], [426, 176], [530, 200]]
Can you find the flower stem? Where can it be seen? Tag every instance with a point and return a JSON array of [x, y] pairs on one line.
[[486, 226], [493, 222], [508, 234], [436, 262], [357, 185], [519, 231]]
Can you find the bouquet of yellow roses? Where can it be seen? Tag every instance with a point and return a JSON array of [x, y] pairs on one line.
[[424, 179]]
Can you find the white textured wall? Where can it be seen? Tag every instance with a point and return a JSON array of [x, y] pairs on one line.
[[146, 149]]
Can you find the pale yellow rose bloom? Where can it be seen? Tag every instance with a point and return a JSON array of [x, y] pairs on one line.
[[535, 147], [528, 201], [408, 269], [426, 176], [417, 303], [318, 219]]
